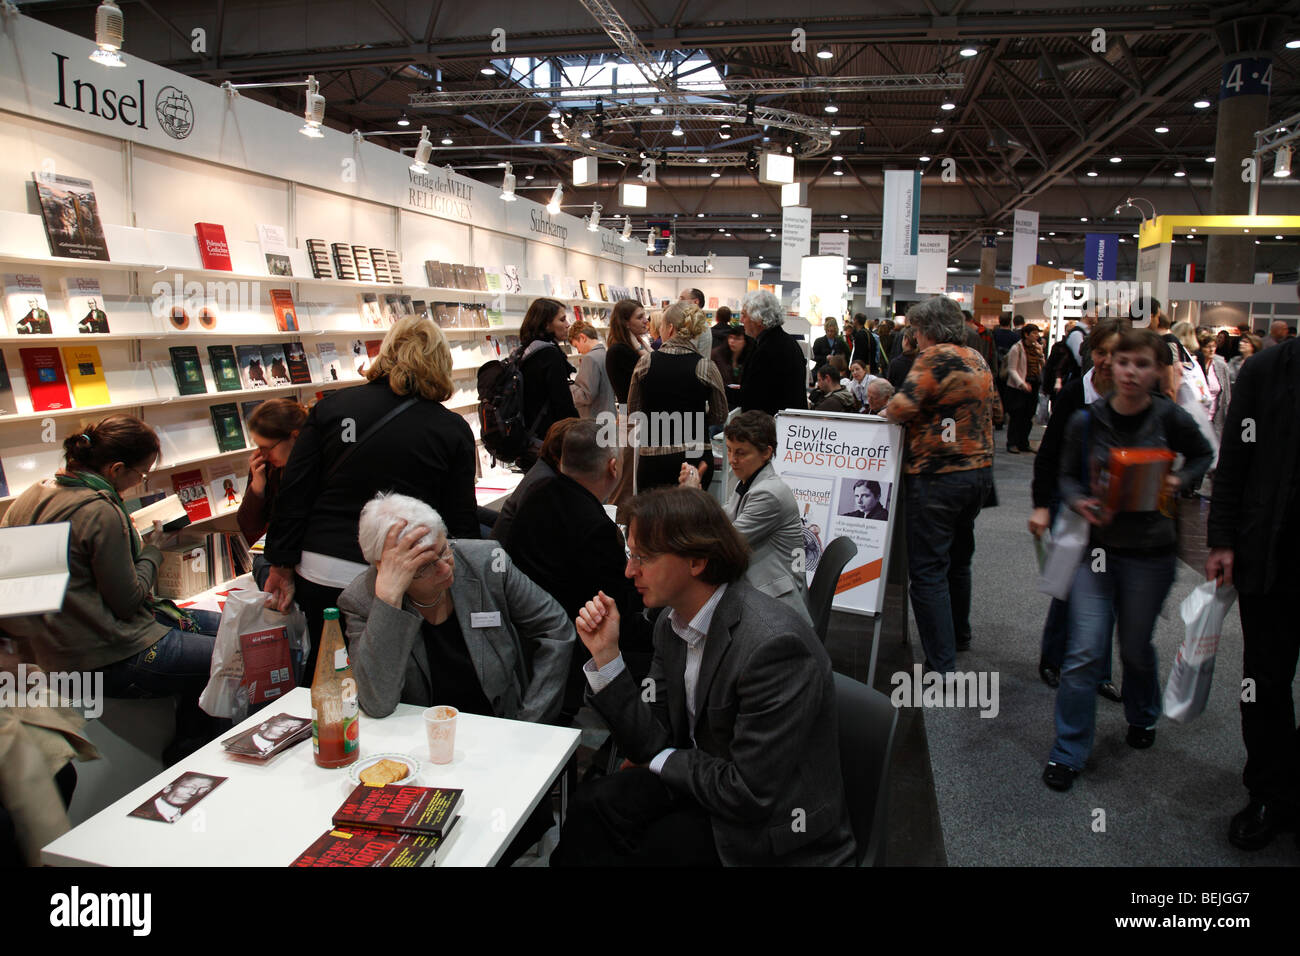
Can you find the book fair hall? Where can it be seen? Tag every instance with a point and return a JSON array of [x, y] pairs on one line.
[[644, 433]]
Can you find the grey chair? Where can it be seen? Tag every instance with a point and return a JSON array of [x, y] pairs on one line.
[[821, 593], [866, 725]]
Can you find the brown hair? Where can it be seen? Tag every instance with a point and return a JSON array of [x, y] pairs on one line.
[[1134, 340], [277, 418], [757, 428], [582, 328], [121, 438], [619, 333], [686, 319], [1101, 331], [689, 523], [416, 358], [553, 444], [540, 314], [722, 316], [837, 362]]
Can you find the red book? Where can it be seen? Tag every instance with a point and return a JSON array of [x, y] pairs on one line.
[[286, 313], [268, 671], [213, 247], [192, 491], [416, 810], [373, 346], [45, 379], [358, 846]]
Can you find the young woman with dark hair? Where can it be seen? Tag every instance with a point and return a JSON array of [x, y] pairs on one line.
[[545, 370], [273, 426], [627, 326]]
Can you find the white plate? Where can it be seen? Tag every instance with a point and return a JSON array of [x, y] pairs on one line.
[[354, 772]]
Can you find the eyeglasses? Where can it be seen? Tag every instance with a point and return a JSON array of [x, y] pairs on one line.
[[640, 560], [267, 449], [446, 554], [143, 474]]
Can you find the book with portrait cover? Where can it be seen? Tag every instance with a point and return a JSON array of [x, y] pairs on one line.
[[401, 809], [85, 301], [286, 313], [71, 217], [225, 423], [189, 373], [225, 367], [45, 379], [251, 372], [275, 366], [213, 248], [193, 493], [86, 375], [26, 306], [295, 356]]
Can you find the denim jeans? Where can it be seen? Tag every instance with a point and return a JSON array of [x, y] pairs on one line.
[[1056, 627], [941, 512], [1127, 594]]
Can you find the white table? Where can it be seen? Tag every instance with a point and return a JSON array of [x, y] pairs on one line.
[[267, 815]]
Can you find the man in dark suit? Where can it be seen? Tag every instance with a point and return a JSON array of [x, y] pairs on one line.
[[732, 736], [774, 376], [564, 515]]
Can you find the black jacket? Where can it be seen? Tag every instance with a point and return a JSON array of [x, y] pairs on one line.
[[773, 378], [427, 452], [899, 366], [620, 360], [546, 378], [1255, 508], [1047, 462]]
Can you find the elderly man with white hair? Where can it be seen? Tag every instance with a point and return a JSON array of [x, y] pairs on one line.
[[440, 622], [773, 378], [879, 392]]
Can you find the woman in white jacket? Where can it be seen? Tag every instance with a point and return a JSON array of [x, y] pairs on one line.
[[1024, 371]]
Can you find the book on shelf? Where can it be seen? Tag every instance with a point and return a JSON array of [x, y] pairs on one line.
[[192, 563], [8, 401], [226, 493], [251, 371], [295, 356], [392, 307], [362, 847], [85, 300], [275, 366], [26, 306], [319, 255], [420, 308], [604, 292], [575, 290], [344, 265], [548, 283], [394, 266], [286, 313], [86, 375], [369, 309], [379, 260], [331, 365], [480, 278], [458, 277], [495, 283], [46, 382], [433, 273], [246, 408], [444, 316], [365, 267], [496, 318], [274, 243], [33, 567], [189, 373], [213, 248], [416, 810], [225, 367], [582, 286], [70, 213], [193, 493], [167, 508], [226, 425], [278, 265], [406, 305], [512, 282]]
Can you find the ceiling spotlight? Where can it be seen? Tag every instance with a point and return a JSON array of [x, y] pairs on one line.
[[1051, 233], [422, 152], [843, 230], [1210, 159], [404, 121], [554, 113], [724, 131], [446, 138], [1162, 128], [1083, 219], [721, 229], [844, 215], [677, 129], [593, 221], [1179, 173], [508, 184], [699, 215], [1293, 44], [948, 105], [749, 111], [529, 176], [716, 175], [553, 207], [1116, 159], [753, 215], [656, 109], [487, 69], [936, 128], [830, 107], [627, 229], [923, 159], [968, 51], [586, 134], [313, 112], [1282, 164], [1092, 172], [839, 172], [835, 132], [1277, 237], [824, 52], [837, 157], [1001, 233], [1202, 102], [109, 31]]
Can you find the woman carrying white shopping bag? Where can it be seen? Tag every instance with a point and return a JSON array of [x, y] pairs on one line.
[[1129, 438]]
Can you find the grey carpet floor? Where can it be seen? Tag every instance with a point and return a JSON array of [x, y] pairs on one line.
[[1167, 806]]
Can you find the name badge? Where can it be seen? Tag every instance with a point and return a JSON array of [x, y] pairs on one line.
[[485, 619]]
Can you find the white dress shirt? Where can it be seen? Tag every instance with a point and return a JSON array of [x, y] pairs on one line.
[[693, 633]]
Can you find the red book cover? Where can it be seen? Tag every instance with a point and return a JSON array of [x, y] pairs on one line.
[[286, 313], [193, 492], [373, 346], [45, 379], [429, 810], [359, 846], [213, 247]]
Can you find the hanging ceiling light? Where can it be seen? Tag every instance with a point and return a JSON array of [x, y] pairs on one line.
[[1179, 173], [1162, 128], [529, 176], [677, 129], [824, 52], [554, 113], [1282, 164], [1117, 159], [593, 221], [627, 229], [508, 184], [404, 121], [422, 152], [446, 138], [1092, 173], [968, 51], [708, 262], [553, 206], [110, 29], [830, 106], [947, 105], [724, 131], [1202, 102], [656, 109], [716, 175], [313, 113], [923, 159], [487, 69], [936, 128]]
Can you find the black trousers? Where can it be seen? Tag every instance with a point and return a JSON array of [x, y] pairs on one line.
[[1020, 406], [314, 598], [1268, 725], [656, 471], [632, 818]]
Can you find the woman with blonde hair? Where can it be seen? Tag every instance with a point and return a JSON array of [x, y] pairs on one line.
[[391, 434], [676, 393]]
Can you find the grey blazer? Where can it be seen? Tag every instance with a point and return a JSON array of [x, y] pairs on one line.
[[768, 517], [592, 391], [522, 662], [766, 762]]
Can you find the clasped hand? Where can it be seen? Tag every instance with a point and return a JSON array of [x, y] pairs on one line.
[[597, 626]]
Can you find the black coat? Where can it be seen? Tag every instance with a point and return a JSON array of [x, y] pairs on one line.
[[427, 452], [773, 378], [546, 378], [1047, 462], [1255, 507]]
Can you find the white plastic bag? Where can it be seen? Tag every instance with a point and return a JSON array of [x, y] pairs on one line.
[[1069, 541], [1203, 612], [272, 636]]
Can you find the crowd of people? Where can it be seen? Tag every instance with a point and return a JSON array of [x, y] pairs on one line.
[[698, 601]]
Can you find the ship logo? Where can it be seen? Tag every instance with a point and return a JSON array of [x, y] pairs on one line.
[[175, 112]]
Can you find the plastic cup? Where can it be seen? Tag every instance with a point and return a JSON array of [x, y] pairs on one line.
[[440, 729]]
